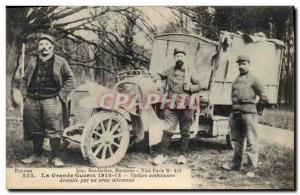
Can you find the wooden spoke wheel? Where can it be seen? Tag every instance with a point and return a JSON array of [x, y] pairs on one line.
[[106, 138]]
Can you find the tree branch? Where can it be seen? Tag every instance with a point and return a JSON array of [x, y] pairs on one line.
[[94, 67]]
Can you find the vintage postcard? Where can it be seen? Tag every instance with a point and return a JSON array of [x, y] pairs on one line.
[[128, 97]]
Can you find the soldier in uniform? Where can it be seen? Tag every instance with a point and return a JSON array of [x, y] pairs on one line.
[[47, 82], [243, 118], [178, 87]]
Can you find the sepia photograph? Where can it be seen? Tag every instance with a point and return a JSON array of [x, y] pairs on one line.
[[150, 97]]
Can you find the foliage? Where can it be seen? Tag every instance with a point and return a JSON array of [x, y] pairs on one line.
[[279, 117]]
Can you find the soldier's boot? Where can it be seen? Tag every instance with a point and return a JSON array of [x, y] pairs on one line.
[[181, 160], [184, 143], [31, 159], [250, 167], [252, 159], [160, 159], [236, 163], [230, 167], [57, 162], [249, 171], [37, 150], [55, 150], [165, 142]]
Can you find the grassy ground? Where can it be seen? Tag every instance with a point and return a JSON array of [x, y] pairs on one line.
[[205, 157], [278, 117], [277, 165]]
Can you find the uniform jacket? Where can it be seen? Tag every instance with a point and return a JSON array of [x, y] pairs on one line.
[[63, 76], [244, 91], [175, 79]]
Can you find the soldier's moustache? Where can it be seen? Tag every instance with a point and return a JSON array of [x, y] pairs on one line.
[[243, 69], [179, 64], [44, 54], [43, 50]]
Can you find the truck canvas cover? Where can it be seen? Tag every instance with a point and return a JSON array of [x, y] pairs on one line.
[[266, 58]]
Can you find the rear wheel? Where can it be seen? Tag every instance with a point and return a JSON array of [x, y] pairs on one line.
[[106, 138]]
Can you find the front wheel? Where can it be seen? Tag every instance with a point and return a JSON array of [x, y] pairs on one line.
[[106, 138]]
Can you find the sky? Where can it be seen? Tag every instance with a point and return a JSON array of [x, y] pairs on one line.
[[158, 16]]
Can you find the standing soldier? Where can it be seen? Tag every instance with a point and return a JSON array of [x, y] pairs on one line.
[[180, 84], [243, 118], [47, 83]]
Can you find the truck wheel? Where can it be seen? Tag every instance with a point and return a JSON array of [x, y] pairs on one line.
[[106, 138], [228, 142]]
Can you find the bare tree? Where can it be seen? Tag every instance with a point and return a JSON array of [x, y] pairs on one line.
[[110, 49], [65, 23]]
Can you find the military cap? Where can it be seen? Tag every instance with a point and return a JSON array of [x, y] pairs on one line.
[[176, 51], [242, 58], [47, 37]]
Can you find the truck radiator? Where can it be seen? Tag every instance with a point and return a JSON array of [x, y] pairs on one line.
[[79, 115]]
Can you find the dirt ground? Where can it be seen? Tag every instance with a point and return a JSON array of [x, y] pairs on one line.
[[205, 156]]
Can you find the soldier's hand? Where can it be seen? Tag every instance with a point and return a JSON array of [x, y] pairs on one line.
[[186, 87], [155, 78], [260, 108], [17, 98]]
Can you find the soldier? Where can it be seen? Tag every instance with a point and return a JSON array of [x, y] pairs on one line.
[[47, 83], [180, 84], [243, 118]]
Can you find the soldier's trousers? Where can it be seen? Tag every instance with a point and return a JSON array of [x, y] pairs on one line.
[[244, 126], [172, 118], [43, 118]]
